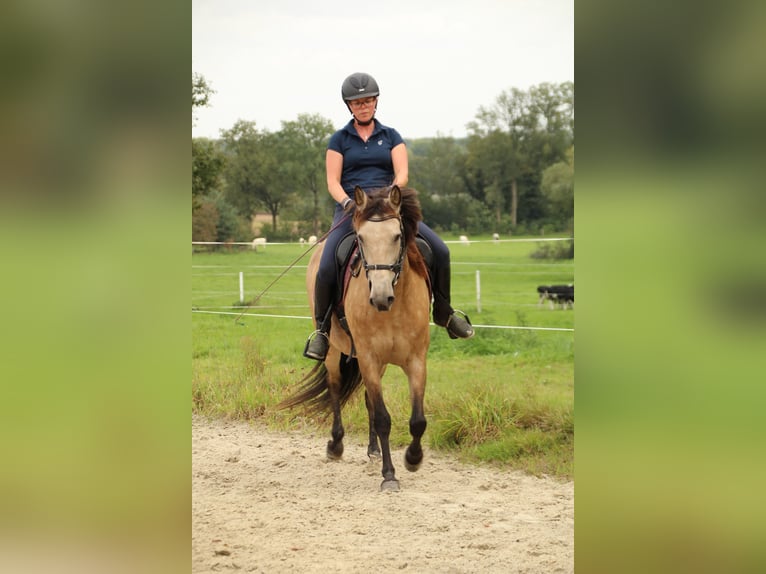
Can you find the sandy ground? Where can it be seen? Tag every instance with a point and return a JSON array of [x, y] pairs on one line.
[[271, 502]]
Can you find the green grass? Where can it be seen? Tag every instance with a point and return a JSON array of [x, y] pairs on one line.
[[505, 397]]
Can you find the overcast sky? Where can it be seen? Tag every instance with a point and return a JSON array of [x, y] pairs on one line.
[[436, 61]]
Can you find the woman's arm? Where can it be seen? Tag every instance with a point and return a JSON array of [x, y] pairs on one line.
[[334, 168], [401, 165]]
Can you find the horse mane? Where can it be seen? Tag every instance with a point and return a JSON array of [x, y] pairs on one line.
[[409, 210]]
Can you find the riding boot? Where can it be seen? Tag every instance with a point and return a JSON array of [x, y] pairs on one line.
[[444, 314], [319, 341]]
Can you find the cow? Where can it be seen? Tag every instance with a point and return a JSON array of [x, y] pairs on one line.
[[259, 241], [557, 294]]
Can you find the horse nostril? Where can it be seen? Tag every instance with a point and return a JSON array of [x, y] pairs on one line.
[[390, 300]]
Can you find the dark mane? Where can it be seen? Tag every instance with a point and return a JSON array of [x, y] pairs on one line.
[[378, 206]]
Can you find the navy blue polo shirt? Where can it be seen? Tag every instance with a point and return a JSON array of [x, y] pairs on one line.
[[366, 164]]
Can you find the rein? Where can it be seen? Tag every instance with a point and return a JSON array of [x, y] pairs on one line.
[[290, 266]]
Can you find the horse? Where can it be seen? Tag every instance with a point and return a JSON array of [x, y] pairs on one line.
[[387, 312]]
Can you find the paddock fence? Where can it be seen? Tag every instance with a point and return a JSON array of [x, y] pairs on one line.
[[237, 282]]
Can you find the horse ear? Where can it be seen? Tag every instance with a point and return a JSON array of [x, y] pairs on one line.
[[360, 197], [395, 197]]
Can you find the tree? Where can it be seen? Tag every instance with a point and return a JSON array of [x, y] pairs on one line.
[[244, 164], [201, 92], [207, 167], [493, 166], [207, 161], [231, 225], [557, 187], [499, 134], [437, 169], [258, 171], [303, 145], [553, 106], [205, 222], [516, 138]]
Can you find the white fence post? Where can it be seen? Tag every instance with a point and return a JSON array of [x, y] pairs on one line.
[[241, 287], [478, 291]]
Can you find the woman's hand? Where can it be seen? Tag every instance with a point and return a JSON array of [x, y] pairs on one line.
[[349, 205]]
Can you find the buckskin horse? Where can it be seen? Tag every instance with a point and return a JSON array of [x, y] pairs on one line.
[[387, 312]]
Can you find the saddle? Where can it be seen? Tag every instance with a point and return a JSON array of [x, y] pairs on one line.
[[347, 260]]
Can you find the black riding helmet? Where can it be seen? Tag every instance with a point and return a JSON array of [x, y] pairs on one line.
[[359, 85]]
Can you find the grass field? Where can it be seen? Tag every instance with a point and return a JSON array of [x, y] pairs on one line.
[[505, 396]]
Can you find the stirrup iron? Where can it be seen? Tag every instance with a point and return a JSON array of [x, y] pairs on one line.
[[311, 339], [454, 335]]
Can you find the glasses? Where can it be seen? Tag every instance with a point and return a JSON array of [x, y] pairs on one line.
[[356, 104]]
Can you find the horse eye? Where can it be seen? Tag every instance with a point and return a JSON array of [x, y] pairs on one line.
[[397, 238]]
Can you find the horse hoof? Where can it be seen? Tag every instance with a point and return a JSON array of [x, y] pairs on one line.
[[412, 462], [335, 453], [411, 467], [374, 455], [389, 486]]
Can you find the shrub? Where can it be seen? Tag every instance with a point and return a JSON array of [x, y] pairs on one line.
[[205, 222], [554, 250]]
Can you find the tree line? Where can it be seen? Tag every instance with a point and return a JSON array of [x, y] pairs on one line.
[[512, 174]]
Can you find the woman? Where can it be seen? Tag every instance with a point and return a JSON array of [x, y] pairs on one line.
[[368, 154]]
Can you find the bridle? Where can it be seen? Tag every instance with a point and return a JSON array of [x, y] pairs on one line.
[[395, 267]]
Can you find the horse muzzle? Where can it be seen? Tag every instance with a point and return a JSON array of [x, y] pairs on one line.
[[381, 295], [382, 305]]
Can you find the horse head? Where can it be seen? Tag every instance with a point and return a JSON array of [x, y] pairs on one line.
[[382, 245]]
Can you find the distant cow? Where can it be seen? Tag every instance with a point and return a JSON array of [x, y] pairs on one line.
[[259, 242], [312, 239], [464, 240], [557, 294], [495, 237]]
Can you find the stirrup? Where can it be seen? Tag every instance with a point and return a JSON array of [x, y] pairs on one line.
[[465, 331], [317, 354]]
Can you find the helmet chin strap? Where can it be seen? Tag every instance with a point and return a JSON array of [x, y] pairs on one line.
[[368, 122], [357, 120]]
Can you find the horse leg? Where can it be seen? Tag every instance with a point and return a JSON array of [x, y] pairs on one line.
[[413, 456], [334, 445], [382, 423], [373, 450]]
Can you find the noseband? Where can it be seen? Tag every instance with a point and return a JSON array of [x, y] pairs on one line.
[[395, 267]]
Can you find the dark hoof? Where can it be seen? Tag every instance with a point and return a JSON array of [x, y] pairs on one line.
[[411, 467], [389, 486], [334, 452], [411, 461]]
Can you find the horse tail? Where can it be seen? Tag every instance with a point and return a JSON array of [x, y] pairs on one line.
[[313, 392], [350, 378]]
